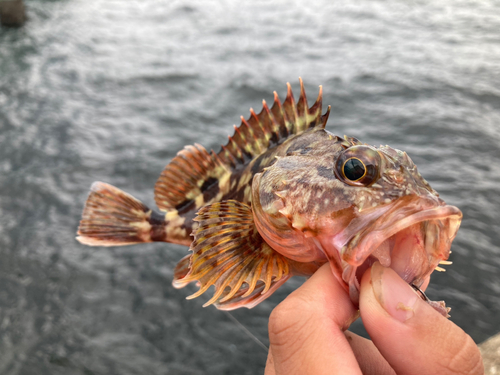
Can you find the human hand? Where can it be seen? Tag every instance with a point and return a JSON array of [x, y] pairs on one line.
[[306, 331]]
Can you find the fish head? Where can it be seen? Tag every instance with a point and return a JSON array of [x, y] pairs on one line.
[[352, 205]]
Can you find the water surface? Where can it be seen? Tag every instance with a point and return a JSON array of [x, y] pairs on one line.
[[110, 91]]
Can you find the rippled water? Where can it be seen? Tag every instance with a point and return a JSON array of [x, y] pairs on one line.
[[110, 91]]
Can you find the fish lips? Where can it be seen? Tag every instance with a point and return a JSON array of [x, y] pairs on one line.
[[412, 236]]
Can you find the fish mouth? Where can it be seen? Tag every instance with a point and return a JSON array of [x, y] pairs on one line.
[[412, 236]]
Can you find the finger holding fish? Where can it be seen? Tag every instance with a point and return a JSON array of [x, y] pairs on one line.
[[306, 330], [409, 336], [307, 333]]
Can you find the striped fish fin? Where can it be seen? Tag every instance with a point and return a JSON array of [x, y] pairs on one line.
[[112, 217], [229, 253], [196, 177], [273, 125], [192, 179]]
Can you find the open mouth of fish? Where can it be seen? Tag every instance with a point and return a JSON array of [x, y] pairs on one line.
[[411, 237]]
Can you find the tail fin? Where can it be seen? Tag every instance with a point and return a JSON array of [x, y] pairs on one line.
[[112, 217]]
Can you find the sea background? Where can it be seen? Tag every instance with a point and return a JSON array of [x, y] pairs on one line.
[[94, 90]]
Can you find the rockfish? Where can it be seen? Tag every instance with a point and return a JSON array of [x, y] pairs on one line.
[[281, 198]]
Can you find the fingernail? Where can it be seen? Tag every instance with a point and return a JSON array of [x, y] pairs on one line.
[[393, 293]]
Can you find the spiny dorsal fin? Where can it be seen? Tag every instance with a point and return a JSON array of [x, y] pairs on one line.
[[272, 125], [229, 253], [187, 177]]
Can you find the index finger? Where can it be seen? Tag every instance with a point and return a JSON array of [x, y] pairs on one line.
[[306, 329]]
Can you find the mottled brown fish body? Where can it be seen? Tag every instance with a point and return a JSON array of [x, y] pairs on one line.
[[281, 198], [308, 209]]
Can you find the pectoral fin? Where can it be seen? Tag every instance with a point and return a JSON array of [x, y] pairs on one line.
[[229, 253]]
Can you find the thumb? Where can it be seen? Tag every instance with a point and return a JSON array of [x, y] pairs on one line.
[[412, 336]]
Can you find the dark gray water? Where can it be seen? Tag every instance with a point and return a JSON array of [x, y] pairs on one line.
[[110, 91]]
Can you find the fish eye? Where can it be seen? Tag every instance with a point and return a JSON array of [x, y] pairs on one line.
[[358, 166], [353, 169]]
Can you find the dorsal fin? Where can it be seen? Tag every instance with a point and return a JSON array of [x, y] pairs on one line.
[[186, 180], [272, 125], [190, 174]]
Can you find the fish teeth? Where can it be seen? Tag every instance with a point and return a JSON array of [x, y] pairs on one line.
[[445, 262]]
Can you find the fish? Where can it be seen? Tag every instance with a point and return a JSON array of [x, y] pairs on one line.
[[283, 197]]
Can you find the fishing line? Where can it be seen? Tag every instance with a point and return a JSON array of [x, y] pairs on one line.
[[245, 329], [422, 294]]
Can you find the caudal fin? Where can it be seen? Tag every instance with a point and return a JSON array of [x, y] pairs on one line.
[[112, 217]]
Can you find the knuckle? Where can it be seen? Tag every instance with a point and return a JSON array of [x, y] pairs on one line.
[[288, 329], [289, 319], [466, 358]]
